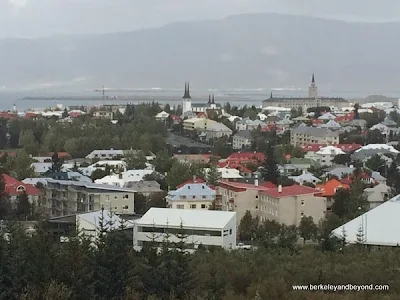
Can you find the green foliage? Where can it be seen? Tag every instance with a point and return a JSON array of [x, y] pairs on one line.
[[248, 227], [375, 163], [287, 149], [307, 228], [342, 159], [23, 210], [222, 147], [181, 172], [135, 160], [269, 170], [20, 165], [28, 142], [213, 176], [375, 137]]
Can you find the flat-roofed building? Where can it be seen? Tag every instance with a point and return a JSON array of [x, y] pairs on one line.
[[199, 227]]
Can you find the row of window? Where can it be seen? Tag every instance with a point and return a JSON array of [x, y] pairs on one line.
[[269, 210], [270, 200], [192, 206], [180, 231], [183, 197]]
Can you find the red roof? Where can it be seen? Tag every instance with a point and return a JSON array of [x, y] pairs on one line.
[[346, 118], [288, 191], [14, 187], [269, 185], [7, 115], [61, 154], [201, 115], [235, 165], [317, 122], [242, 187], [31, 115], [246, 156], [74, 114], [329, 188], [269, 127]]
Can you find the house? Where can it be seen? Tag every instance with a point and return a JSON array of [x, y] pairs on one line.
[[326, 155], [255, 158], [146, 188], [87, 224], [41, 168], [65, 197], [296, 165], [101, 114], [191, 195], [193, 158], [327, 116], [329, 189], [372, 227], [217, 130], [175, 119], [105, 154], [14, 188], [377, 195], [162, 116], [333, 125], [361, 123], [76, 176], [305, 177], [288, 205], [200, 227], [304, 135], [124, 178], [248, 124], [227, 174], [370, 150], [241, 140]]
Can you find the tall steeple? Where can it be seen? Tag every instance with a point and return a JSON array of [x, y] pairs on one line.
[[187, 91], [209, 98], [313, 78], [271, 96], [313, 90], [213, 100]]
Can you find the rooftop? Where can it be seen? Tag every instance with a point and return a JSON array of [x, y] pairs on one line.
[[289, 191], [312, 131], [208, 219]]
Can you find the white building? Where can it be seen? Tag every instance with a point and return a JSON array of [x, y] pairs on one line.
[[200, 227], [162, 116], [122, 179], [326, 155], [377, 227], [197, 195]]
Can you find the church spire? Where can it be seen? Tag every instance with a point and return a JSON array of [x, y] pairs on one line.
[[213, 100], [271, 96], [187, 91], [209, 98], [313, 78]]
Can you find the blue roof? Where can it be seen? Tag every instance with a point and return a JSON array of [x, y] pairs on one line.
[[197, 190]]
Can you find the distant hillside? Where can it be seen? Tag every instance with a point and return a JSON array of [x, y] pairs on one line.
[[375, 98], [247, 51]]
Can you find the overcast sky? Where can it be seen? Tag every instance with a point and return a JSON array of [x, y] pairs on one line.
[[32, 18]]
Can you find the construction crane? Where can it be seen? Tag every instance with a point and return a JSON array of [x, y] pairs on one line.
[[103, 91]]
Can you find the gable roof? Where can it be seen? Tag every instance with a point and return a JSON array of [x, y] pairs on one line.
[[195, 190], [289, 191], [15, 187], [329, 188]]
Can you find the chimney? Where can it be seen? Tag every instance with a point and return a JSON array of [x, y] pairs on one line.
[[256, 182], [280, 188]]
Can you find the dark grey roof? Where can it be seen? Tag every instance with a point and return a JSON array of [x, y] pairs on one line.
[[145, 186], [178, 141], [244, 134], [313, 131]]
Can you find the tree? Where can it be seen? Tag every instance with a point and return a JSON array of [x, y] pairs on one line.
[[341, 204], [307, 228], [57, 163], [269, 170], [135, 161], [375, 162], [181, 172], [248, 227], [28, 142], [213, 176], [342, 159], [163, 161], [21, 166], [5, 205], [65, 113], [23, 210]]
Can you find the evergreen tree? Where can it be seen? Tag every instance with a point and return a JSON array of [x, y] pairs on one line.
[[248, 227], [23, 210], [269, 170], [57, 163], [65, 113], [307, 228], [213, 176], [135, 161], [5, 204]]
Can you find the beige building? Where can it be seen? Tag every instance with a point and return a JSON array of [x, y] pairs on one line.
[[304, 135], [289, 204], [103, 114], [286, 205], [62, 197], [241, 140], [313, 100], [197, 123]]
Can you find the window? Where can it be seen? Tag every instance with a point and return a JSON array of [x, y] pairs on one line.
[[203, 206], [230, 231], [302, 214], [193, 197], [125, 207], [193, 206], [302, 202], [126, 196], [180, 206], [204, 197]]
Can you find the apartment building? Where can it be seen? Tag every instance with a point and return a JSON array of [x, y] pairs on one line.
[[325, 155], [197, 123], [200, 227], [288, 205], [192, 195], [241, 140], [62, 197], [305, 135]]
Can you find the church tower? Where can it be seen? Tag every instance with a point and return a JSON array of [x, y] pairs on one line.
[[186, 99], [313, 90]]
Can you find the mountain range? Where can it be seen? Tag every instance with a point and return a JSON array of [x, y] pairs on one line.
[[244, 51]]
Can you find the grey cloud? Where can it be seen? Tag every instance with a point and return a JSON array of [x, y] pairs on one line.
[[47, 17]]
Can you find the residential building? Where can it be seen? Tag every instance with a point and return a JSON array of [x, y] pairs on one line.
[[370, 150], [200, 227], [76, 176], [241, 140], [227, 174], [333, 125], [297, 165], [193, 158], [14, 188], [304, 135], [103, 114], [377, 195], [313, 148], [313, 100], [254, 158], [105, 154], [248, 124], [326, 155], [87, 224], [306, 178], [196, 123], [191, 195], [146, 188], [162, 116], [64, 197], [217, 130], [374, 225], [124, 178], [329, 189], [288, 205]]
